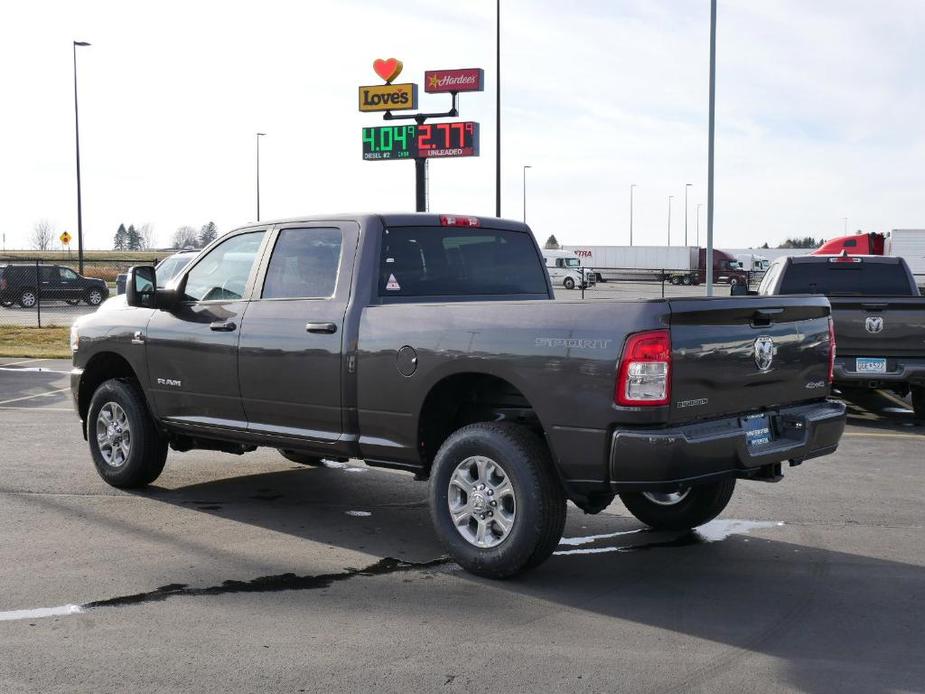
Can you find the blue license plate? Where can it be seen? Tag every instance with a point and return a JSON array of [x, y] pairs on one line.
[[758, 430], [866, 365]]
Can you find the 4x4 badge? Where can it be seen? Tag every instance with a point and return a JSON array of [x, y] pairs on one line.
[[873, 324], [764, 352]]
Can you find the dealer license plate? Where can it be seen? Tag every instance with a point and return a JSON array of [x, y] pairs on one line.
[[866, 365], [758, 430]]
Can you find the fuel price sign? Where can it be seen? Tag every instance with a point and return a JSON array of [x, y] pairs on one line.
[[427, 141]]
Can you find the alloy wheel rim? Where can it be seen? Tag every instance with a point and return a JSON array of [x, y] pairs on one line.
[[28, 299], [95, 297], [667, 498], [481, 500], [113, 434]]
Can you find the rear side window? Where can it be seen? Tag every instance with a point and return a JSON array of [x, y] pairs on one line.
[[857, 279], [452, 261], [304, 264]]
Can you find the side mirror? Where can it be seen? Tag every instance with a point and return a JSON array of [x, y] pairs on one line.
[[141, 286], [738, 289]]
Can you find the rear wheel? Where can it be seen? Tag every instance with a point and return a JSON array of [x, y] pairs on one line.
[[94, 297], [918, 401], [495, 500], [569, 283], [675, 280], [28, 298], [680, 510], [300, 458], [127, 449], [686, 281]]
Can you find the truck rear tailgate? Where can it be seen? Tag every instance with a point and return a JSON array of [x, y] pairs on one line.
[[741, 355], [879, 326]]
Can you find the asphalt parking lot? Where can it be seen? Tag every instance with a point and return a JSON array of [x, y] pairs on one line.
[[255, 574]]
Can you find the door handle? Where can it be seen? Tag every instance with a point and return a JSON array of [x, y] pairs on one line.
[[222, 327], [321, 328]]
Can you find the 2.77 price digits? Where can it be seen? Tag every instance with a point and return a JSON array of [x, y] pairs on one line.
[[445, 135]]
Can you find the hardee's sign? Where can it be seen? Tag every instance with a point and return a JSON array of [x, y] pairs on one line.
[[464, 80], [389, 97]]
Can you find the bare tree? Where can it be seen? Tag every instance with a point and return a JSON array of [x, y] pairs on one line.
[[147, 235], [185, 237], [43, 233]]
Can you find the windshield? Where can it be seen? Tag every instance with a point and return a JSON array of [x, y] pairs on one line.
[[571, 262]]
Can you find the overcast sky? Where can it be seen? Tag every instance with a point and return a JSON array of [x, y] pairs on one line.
[[819, 113]]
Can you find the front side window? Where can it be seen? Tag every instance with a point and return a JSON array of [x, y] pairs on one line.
[[304, 264], [450, 261], [222, 275], [68, 275]]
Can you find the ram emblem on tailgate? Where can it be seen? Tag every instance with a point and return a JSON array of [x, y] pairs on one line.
[[873, 324], [764, 352]]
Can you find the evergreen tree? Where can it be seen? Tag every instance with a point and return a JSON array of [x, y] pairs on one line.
[[120, 241], [207, 234], [551, 242], [133, 240]]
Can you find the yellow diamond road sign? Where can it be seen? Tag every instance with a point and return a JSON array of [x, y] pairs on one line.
[[65, 238]]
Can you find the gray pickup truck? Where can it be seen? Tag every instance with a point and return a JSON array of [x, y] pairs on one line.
[[878, 314], [433, 344]]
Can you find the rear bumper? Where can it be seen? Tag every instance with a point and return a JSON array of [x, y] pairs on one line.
[[899, 370], [662, 459]]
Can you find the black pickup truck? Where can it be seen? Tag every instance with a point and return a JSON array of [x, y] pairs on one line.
[[433, 344], [878, 313]]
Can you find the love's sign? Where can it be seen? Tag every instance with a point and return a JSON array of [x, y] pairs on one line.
[[389, 97]]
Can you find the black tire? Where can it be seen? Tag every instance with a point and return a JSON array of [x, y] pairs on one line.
[[94, 297], [733, 281], [540, 502], [686, 280], [300, 458], [147, 448], [6, 304], [28, 298], [918, 402], [72, 302], [702, 504], [675, 281], [569, 283]]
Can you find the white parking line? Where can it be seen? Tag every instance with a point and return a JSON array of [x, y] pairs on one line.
[[25, 361], [58, 611], [39, 409], [37, 395], [34, 369]]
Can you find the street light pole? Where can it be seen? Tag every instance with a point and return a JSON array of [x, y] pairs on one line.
[[526, 166], [670, 197], [259, 135], [631, 213], [686, 186], [498, 109], [711, 138], [80, 226], [845, 220]]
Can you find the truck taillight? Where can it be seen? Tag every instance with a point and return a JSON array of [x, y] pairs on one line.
[[831, 350], [645, 370], [448, 220]]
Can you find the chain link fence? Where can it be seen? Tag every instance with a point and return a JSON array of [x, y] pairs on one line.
[[42, 292]]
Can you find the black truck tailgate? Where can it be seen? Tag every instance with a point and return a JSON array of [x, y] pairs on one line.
[[888, 326], [742, 355]]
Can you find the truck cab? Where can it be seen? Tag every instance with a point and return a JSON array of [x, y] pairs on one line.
[[565, 270]]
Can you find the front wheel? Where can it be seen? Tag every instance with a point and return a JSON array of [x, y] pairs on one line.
[[28, 298], [918, 402], [569, 283], [127, 449], [495, 500], [680, 510]]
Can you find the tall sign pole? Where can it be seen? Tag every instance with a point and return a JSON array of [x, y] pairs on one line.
[[80, 225], [259, 135], [498, 109], [709, 261], [631, 213]]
